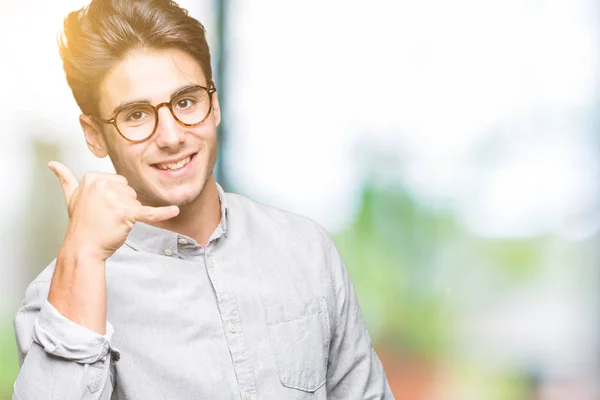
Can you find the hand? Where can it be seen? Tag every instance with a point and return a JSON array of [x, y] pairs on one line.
[[102, 210]]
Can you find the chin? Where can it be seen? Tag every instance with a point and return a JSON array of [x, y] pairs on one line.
[[182, 198], [182, 202]]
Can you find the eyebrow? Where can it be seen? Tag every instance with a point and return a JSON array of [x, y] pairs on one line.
[[176, 93]]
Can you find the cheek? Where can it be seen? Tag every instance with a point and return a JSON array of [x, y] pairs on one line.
[[206, 133], [126, 161]]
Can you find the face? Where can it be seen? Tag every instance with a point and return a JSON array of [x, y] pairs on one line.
[[174, 165]]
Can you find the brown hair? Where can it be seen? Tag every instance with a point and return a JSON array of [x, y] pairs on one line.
[[96, 37]]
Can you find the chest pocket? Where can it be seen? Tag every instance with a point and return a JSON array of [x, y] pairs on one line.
[[299, 336]]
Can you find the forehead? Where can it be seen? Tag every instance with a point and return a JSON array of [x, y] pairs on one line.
[[149, 75]]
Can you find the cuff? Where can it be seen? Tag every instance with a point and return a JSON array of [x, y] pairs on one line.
[[64, 338]]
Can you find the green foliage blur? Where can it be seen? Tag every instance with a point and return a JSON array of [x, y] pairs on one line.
[[9, 367], [417, 271]]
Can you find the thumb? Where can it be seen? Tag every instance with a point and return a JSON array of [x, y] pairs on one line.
[[67, 178], [156, 214]]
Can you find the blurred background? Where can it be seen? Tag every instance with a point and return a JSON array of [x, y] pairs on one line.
[[450, 148]]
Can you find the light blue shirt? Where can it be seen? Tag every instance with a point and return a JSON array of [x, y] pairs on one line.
[[266, 311]]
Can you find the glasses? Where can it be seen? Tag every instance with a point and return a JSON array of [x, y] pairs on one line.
[[137, 122]]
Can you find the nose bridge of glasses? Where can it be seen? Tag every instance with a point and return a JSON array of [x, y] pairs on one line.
[[168, 106], [165, 104], [172, 127]]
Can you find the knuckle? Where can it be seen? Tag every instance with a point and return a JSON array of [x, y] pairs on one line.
[[100, 184], [103, 185], [150, 214], [86, 179], [128, 192], [90, 177], [129, 222], [122, 213]]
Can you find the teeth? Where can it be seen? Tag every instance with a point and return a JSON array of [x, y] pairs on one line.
[[175, 166]]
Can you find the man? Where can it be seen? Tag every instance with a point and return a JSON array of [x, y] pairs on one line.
[[165, 287]]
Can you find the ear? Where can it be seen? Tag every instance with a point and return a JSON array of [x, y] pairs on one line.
[[93, 136], [216, 106]]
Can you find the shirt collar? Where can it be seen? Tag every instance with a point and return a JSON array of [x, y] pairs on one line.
[[224, 208], [161, 241]]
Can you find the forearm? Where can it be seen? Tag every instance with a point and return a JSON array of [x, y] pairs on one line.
[[60, 359], [46, 377], [78, 287]]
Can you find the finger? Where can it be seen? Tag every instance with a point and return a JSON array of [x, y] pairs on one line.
[[66, 177], [124, 190], [106, 176], [156, 214], [114, 178]]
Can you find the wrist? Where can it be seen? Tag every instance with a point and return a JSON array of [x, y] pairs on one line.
[[75, 250]]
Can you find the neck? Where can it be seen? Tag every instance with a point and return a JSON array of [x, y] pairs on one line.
[[199, 219]]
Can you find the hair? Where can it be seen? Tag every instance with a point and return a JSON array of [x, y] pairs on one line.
[[97, 37]]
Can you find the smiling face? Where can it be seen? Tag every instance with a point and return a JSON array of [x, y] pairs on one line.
[[175, 164]]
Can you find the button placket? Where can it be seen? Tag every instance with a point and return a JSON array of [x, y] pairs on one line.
[[209, 262], [231, 323]]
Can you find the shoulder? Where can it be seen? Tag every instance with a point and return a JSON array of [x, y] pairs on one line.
[[261, 218]]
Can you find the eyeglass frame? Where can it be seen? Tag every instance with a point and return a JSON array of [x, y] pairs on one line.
[[169, 104]]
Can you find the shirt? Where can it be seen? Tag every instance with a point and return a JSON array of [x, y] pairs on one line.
[[265, 311]]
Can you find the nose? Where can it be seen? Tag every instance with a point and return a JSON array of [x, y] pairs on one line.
[[169, 134]]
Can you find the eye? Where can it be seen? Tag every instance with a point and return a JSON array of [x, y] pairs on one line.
[[184, 103], [136, 115]]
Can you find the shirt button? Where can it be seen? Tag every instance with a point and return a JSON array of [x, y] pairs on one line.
[[232, 328], [168, 251], [182, 241], [249, 396]]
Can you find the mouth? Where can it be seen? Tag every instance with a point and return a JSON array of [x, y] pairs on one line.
[[175, 165]]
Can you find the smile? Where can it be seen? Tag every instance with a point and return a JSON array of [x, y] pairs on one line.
[[174, 166]]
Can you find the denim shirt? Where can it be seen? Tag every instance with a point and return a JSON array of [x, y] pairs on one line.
[[265, 311]]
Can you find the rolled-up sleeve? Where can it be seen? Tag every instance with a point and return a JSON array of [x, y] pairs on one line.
[[60, 359], [354, 370], [63, 338]]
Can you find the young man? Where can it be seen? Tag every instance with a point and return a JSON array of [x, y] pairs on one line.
[[165, 287]]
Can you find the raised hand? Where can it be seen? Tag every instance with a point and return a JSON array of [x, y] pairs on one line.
[[102, 210]]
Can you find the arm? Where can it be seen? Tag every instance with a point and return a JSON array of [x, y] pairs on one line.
[[354, 370], [64, 341], [59, 359]]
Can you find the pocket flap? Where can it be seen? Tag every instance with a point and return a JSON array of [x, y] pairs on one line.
[[294, 310]]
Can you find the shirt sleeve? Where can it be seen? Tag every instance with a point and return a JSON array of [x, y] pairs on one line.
[[64, 338], [60, 359], [354, 370]]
